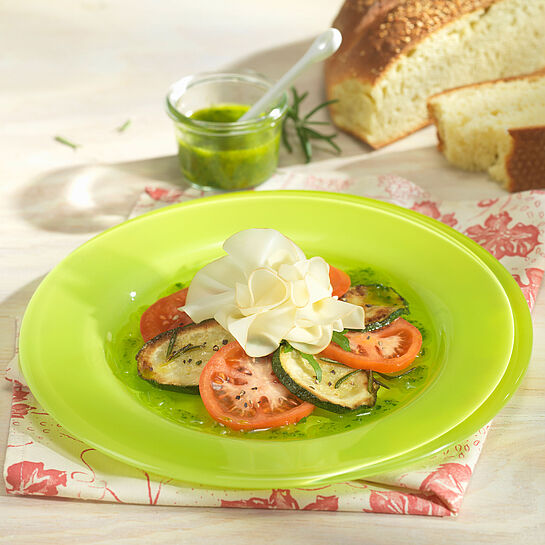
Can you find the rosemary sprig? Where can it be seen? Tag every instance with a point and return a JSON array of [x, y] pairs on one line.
[[387, 376], [329, 360], [345, 377], [66, 142], [172, 342], [380, 383], [180, 351], [302, 126], [373, 379]]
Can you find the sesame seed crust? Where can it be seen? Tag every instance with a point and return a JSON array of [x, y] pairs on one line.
[[385, 29]]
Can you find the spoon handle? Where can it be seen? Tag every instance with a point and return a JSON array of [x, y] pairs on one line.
[[323, 46]]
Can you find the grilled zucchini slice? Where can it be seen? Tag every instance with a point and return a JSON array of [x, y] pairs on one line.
[[382, 304], [174, 359], [340, 389]]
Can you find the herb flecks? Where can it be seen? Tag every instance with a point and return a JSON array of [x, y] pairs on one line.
[[302, 126], [66, 142]]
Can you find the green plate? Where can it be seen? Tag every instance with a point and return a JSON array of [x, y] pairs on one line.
[[480, 319]]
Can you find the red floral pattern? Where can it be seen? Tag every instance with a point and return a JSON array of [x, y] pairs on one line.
[[485, 203], [163, 195], [323, 503], [437, 490], [90, 479], [399, 189], [428, 208], [328, 184], [501, 240], [529, 290], [449, 483], [449, 219], [20, 392], [32, 478], [283, 499], [405, 504], [431, 209], [20, 410], [279, 499]]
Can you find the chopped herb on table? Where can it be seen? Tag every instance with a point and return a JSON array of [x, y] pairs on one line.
[[66, 142], [124, 127]]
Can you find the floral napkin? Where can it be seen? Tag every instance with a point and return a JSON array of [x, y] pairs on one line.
[[43, 459]]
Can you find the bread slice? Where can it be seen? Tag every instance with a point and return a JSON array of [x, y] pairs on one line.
[[396, 53], [498, 126]]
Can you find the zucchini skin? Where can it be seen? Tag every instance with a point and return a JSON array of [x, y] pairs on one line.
[[373, 326], [304, 394], [154, 367], [377, 324], [194, 390]]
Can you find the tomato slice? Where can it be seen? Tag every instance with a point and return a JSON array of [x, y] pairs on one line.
[[243, 393], [388, 350], [340, 281], [164, 315]]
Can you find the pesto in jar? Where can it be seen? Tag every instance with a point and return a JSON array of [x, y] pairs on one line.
[[227, 157]]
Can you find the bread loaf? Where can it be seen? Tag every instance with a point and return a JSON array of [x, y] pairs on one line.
[[498, 126], [396, 53]]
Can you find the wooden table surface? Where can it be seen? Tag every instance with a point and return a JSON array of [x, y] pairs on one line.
[[80, 69]]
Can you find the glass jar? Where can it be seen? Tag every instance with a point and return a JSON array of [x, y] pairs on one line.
[[215, 150]]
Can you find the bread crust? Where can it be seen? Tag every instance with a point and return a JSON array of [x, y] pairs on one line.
[[525, 163], [380, 144], [528, 77], [386, 30]]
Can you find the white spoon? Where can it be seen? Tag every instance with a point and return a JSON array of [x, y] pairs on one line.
[[323, 47]]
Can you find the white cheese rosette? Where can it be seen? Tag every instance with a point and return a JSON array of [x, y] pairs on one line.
[[266, 290]]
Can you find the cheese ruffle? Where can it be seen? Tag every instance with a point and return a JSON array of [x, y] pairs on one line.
[[266, 290]]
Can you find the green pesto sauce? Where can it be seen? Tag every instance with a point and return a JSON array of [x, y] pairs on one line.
[[188, 410], [223, 160], [224, 113]]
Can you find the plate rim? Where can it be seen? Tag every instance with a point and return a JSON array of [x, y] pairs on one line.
[[490, 406]]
